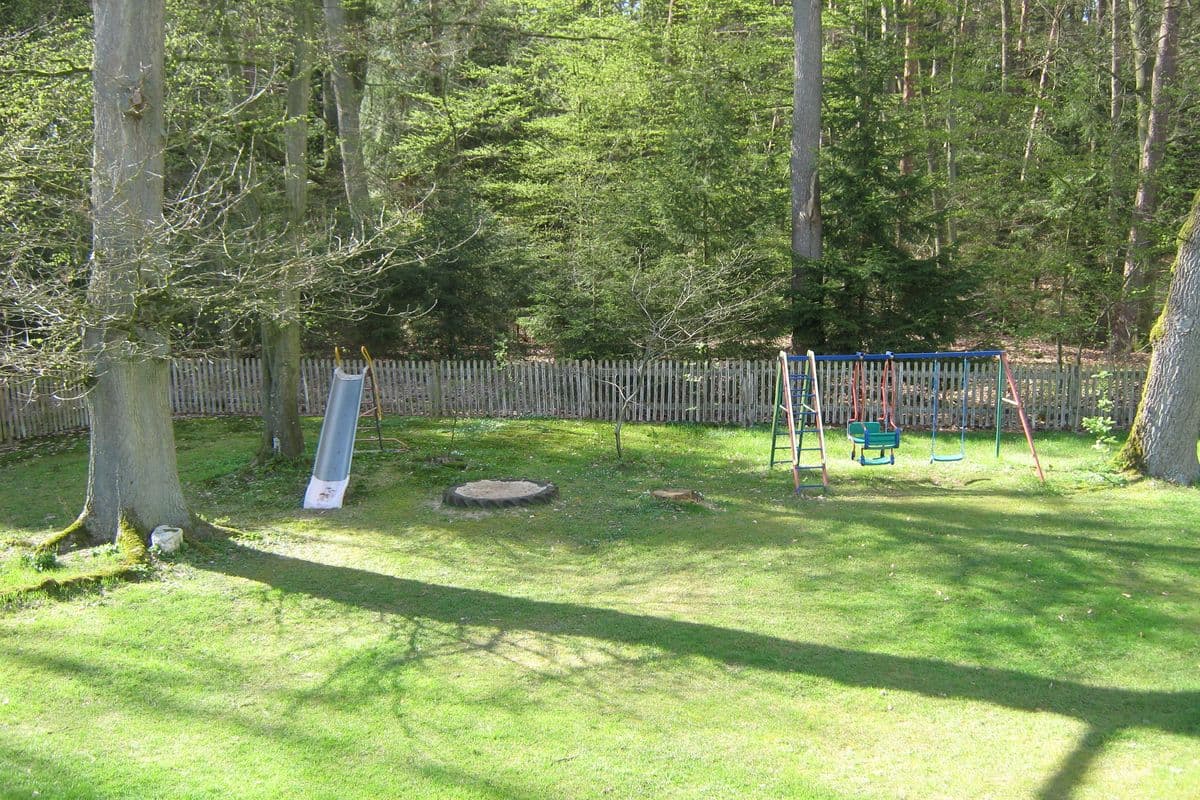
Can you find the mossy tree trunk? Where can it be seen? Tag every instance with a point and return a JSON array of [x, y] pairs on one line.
[[1162, 443], [132, 473], [282, 435]]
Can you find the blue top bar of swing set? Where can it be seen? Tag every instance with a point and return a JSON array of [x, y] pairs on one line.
[[904, 356]]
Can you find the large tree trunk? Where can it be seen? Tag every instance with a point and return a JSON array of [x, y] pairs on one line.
[[806, 146], [908, 78], [1116, 101], [1135, 309], [1162, 443], [282, 435], [1116, 167], [1139, 35], [348, 97], [952, 123], [132, 475], [1022, 28], [931, 167]]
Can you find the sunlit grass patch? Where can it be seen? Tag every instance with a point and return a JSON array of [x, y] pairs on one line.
[[948, 630]]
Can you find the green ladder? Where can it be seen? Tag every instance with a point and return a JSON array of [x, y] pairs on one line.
[[797, 412]]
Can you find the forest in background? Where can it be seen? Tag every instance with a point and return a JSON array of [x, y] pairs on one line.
[[482, 177]]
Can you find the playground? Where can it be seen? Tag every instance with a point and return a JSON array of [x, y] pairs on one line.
[[392, 401], [923, 630], [799, 411]]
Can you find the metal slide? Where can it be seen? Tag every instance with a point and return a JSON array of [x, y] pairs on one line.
[[335, 448]]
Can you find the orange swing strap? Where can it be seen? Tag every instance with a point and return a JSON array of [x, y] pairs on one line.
[[889, 384], [857, 385]]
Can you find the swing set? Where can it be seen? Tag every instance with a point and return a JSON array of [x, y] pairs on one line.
[[873, 442]]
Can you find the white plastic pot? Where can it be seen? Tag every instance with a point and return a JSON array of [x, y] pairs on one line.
[[166, 538]]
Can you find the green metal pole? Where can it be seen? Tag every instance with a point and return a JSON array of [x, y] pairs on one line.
[[999, 401]]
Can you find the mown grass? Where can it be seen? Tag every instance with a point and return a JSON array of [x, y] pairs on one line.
[[20, 569], [953, 631]]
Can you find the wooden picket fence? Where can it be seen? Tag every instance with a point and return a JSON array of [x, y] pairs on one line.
[[720, 392]]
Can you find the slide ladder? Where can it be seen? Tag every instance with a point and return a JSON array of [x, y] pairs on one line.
[[798, 410]]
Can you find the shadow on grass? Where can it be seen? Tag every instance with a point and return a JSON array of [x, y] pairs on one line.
[[1106, 711], [1051, 570], [64, 772], [162, 703]]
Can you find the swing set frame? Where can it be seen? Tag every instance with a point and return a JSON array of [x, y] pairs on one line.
[[1006, 394]]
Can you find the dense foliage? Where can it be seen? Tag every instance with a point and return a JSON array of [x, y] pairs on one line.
[[537, 164]]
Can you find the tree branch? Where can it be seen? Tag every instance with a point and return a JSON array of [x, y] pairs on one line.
[[40, 73]]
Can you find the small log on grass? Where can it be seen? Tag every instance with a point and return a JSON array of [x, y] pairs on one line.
[[676, 495]]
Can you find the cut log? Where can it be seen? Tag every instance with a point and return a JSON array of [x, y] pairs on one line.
[[676, 495]]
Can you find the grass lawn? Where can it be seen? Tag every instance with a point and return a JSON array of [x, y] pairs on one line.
[[954, 631]]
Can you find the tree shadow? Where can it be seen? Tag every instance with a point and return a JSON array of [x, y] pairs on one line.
[[1104, 710], [154, 697], [64, 773], [1073, 560]]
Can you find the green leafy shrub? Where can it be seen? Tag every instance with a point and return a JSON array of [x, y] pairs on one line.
[[41, 560], [1101, 426]]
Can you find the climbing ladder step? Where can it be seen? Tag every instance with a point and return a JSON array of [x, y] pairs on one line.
[[797, 413]]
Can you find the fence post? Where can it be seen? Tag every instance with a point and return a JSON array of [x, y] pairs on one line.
[[435, 389], [7, 432]]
